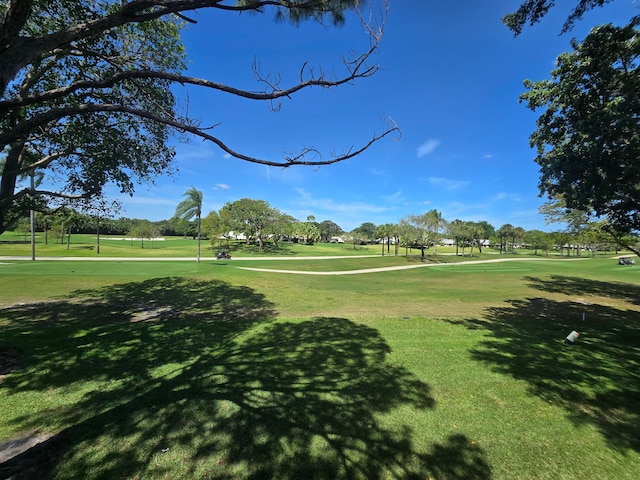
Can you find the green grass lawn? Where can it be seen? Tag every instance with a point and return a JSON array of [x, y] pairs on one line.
[[153, 369], [81, 245]]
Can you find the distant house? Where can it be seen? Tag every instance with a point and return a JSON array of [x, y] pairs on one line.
[[336, 240], [234, 236]]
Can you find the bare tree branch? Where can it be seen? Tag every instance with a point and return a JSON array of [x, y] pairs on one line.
[[274, 93]]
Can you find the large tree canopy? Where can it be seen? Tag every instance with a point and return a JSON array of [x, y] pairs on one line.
[[85, 90], [253, 218], [588, 137]]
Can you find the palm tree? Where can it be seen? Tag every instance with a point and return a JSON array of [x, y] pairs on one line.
[[517, 234], [504, 232], [191, 207]]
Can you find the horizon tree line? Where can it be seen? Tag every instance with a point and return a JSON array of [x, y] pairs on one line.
[[255, 221]]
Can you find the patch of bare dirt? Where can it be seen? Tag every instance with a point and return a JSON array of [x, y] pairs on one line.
[[17, 446]]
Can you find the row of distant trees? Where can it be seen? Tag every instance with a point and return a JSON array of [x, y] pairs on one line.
[[255, 221], [60, 223]]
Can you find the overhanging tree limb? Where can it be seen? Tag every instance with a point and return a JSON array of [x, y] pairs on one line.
[[289, 160], [359, 71]]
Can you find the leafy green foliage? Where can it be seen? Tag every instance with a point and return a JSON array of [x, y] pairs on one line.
[[61, 113], [588, 137], [366, 231], [306, 231], [329, 229], [532, 11], [191, 206], [297, 11], [253, 218]]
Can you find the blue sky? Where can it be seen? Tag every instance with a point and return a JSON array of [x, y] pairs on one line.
[[450, 77]]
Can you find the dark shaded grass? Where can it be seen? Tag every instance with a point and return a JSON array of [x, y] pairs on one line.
[[180, 378]]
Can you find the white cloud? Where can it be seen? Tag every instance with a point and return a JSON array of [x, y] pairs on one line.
[[447, 183], [346, 214], [186, 152], [506, 196], [394, 197], [376, 172], [221, 186], [427, 147], [303, 193], [499, 196], [329, 205], [150, 201]]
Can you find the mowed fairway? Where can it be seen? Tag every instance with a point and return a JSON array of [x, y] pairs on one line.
[[143, 369]]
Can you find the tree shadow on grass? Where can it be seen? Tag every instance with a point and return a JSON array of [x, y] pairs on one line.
[[596, 380], [124, 331], [580, 286], [180, 378]]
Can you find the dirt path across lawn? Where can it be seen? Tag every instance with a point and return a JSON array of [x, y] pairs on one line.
[[405, 267]]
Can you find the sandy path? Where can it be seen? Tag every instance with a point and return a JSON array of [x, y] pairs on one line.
[[406, 267]]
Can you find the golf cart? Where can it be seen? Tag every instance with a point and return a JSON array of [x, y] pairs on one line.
[[221, 255], [626, 261]]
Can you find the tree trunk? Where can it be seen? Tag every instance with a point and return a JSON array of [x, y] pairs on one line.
[[8, 181], [260, 242]]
